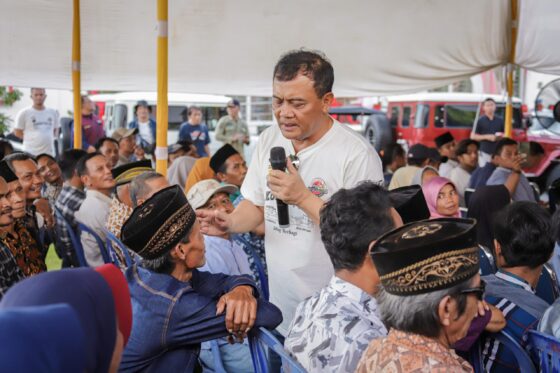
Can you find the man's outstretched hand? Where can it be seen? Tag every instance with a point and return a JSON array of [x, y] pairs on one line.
[[213, 222]]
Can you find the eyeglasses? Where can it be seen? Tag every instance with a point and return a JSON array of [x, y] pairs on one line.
[[478, 291]]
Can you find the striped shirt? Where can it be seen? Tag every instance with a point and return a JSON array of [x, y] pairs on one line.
[[522, 309]]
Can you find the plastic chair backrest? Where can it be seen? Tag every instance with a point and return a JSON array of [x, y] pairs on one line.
[[547, 288], [468, 194], [524, 362], [546, 350], [114, 244], [487, 265], [260, 267], [104, 254], [76, 243], [259, 341]]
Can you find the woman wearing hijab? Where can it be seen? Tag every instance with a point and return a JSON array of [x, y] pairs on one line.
[[484, 203], [41, 339], [442, 198], [424, 175], [106, 323]]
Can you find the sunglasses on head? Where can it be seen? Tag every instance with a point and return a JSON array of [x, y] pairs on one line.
[[478, 291]]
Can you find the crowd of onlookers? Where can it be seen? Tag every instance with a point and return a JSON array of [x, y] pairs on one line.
[[392, 278]]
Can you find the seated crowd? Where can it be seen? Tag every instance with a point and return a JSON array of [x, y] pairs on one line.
[[420, 273]]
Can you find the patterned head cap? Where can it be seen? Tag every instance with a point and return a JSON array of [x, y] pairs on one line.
[[426, 256], [125, 173], [156, 226]]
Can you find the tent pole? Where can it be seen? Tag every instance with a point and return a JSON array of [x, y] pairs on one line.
[[509, 75], [162, 104], [76, 78]]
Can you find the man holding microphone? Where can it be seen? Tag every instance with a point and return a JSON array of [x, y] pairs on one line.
[[323, 157]]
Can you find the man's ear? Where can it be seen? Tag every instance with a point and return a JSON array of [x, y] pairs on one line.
[[445, 309], [327, 101], [221, 177], [179, 252]]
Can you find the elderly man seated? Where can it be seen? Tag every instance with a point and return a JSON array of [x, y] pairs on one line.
[[121, 204], [429, 295], [176, 306], [332, 328]]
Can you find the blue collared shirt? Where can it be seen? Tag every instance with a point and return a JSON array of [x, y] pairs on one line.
[[225, 256], [522, 309]]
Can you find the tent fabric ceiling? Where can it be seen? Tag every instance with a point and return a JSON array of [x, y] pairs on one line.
[[230, 47]]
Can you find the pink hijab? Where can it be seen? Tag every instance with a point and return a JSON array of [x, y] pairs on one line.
[[431, 190]]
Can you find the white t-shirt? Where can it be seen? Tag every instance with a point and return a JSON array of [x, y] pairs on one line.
[[38, 127], [146, 132], [298, 264]]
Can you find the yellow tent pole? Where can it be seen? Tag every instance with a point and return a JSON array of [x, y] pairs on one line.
[[509, 74], [162, 113], [76, 83]]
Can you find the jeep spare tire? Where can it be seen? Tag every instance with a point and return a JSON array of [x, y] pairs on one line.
[[378, 131]]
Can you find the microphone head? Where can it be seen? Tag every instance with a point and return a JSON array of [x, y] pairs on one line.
[[278, 158]]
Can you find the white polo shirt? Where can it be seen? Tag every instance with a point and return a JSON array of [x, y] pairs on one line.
[[38, 129], [298, 264]]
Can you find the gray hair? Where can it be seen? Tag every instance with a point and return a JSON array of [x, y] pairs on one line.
[[164, 264], [18, 156], [139, 186], [418, 314]]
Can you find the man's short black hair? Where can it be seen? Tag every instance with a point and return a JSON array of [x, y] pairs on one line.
[[391, 152], [489, 99], [312, 64], [351, 220], [463, 146], [503, 142], [68, 162], [44, 155], [102, 140], [525, 233], [82, 163]]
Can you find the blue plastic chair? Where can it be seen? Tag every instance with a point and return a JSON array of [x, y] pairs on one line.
[[76, 244], [487, 265], [260, 268], [547, 288], [261, 343], [546, 350], [524, 362], [104, 254], [113, 244]]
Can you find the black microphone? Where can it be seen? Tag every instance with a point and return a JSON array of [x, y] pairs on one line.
[[278, 162]]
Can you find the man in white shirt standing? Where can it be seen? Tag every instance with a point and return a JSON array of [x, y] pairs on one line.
[[95, 173], [329, 156], [38, 125]]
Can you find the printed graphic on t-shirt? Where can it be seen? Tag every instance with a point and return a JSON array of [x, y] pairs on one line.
[[42, 125], [198, 135]]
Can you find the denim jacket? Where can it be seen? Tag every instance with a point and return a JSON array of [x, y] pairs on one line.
[[171, 318]]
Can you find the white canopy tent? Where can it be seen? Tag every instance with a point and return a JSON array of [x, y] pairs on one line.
[[230, 47]]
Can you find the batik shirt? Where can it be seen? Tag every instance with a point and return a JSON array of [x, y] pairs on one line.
[[401, 352], [253, 245], [118, 214], [10, 273], [25, 250], [68, 202], [332, 328]]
